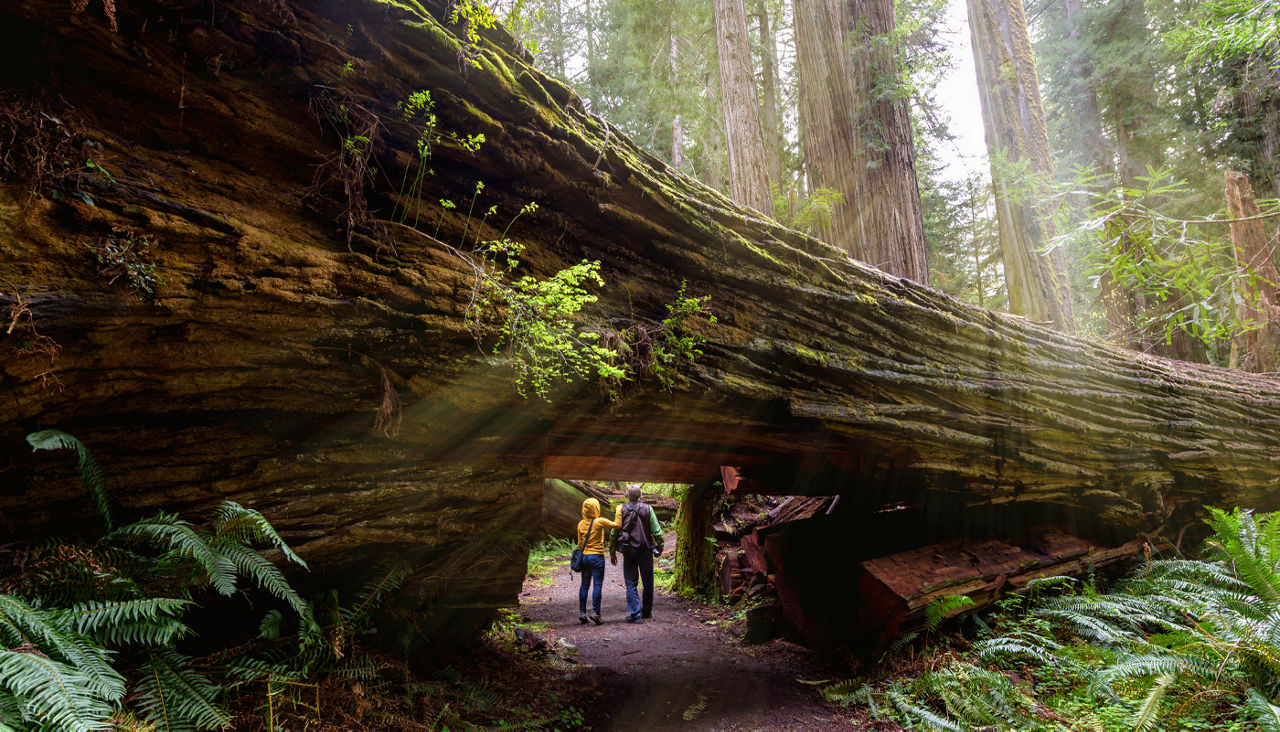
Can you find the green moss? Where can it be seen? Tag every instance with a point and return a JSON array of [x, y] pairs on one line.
[[810, 354], [695, 570], [493, 64], [409, 6]]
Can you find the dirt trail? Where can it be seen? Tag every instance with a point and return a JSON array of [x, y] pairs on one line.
[[676, 671]]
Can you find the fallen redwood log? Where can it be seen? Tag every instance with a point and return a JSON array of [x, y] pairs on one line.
[[894, 591], [562, 506], [284, 329]]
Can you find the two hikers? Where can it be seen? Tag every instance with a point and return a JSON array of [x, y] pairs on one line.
[[639, 536]]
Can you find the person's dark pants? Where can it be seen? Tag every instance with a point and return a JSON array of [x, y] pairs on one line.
[[637, 564], [592, 569]]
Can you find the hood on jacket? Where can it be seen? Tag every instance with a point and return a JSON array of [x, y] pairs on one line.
[[590, 508]]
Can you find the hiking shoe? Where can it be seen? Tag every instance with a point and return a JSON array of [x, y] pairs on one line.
[[595, 618], [634, 619], [582, 618], [646, 616]]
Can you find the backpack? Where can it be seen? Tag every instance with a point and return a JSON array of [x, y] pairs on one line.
[[635, 527]]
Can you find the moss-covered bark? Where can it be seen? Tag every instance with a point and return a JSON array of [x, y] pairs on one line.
[[695, 567]]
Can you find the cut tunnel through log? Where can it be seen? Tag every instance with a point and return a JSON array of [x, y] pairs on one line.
[[291, 310]]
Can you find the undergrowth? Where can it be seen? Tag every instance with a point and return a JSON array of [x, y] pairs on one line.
[[1180, 644], [89, 633], [97, 635]]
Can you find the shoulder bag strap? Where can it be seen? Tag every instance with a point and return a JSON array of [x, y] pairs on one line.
[[648, 532], [587, 536]]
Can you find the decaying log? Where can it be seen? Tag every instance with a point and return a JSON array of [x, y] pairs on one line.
[[562, 505], [895, 590], [256, 370]]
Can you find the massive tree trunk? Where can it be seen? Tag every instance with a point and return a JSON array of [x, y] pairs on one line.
[[774, 141], [857, 137], [1260, 306], [677, 124], [740, 106], [1013, 118], [257, 368]]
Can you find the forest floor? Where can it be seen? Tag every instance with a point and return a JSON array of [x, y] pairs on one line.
[[681, 669]]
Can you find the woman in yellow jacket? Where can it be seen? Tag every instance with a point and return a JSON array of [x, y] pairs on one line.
[[592, 530]]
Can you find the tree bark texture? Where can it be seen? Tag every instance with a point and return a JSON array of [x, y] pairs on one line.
[[677, 124], [1013, 118], [774, 142], [695, 566], [255, 370], [740, 106], [1261, 307], [857, 137]]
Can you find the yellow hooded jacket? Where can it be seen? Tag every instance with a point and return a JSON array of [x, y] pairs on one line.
[[599, 530]]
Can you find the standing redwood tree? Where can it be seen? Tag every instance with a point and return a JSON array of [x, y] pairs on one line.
[[856, 132], [1262, 309], [748, 162], [1013, 117]]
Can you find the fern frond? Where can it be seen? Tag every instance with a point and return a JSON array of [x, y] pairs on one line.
[[51, 692], [50, 631], [899, 644], [10, 710], [390, 575], [175, 697], [1149, 711], [844, 693], [184, 540], [1157, 665], [267, 576], [90, 473], [931, 719], [1017, 647], [943, 608], [233, 521], [1263, 712], [149, 621]]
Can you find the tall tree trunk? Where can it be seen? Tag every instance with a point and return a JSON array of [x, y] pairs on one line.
[[1013, 117], [1253, 256], [773, 139], [858, 140], [677, 125], [589, 25], [1087, 120], [740, 106], [557, 45], [695, 566]]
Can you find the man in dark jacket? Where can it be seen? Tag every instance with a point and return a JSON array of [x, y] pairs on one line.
[[640, 537]]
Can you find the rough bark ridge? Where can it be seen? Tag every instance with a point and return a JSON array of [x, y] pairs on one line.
[[255, 371], [1013, 118], [1249, 244], [857, 139], [740, 106]]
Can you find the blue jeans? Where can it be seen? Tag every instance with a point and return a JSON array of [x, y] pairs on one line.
[[592, 569], [637, 564]]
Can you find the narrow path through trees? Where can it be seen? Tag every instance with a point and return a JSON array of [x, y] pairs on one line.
[[676, 670]]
